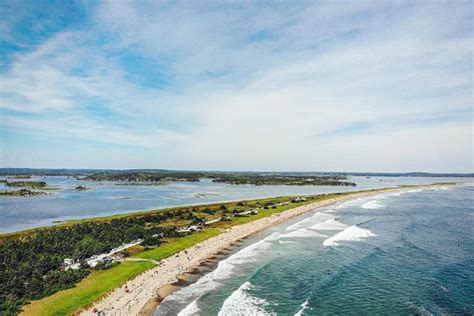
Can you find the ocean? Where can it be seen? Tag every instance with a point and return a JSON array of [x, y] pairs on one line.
[[408, 253], [109, 198]]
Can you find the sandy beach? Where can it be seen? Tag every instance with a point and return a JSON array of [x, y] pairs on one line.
[[143, 293]]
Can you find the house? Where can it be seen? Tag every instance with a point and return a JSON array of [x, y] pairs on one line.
[[188, 229], [68, 261]]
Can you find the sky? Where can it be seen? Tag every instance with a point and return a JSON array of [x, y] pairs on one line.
[[382, 86]]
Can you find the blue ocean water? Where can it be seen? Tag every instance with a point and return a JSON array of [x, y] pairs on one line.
[[392, 254], [108, 198]]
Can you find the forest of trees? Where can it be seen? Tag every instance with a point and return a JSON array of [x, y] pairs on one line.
[[142, 176], [236, 178], [31, 266], [282, 180]]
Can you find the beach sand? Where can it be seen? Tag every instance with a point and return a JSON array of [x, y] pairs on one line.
[[147, 290]]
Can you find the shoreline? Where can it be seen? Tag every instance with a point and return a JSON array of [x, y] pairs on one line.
[[144, 293], [189, 277]]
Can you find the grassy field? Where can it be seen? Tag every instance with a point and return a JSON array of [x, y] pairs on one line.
[[178, 244], [96, 285]]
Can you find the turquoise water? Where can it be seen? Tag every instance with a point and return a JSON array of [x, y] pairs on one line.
[[393, 254], [108, 198]]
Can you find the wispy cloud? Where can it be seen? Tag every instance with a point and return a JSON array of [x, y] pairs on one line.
[[251, 86]]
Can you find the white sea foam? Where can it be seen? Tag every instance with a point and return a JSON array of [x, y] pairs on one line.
[[298, 225], [330, 224], [283, 242], [248, 253], [223, 271], [320, 216], [352, 233], [303, 306], [441, 188], [303, 233], [191, 309], [273, 237], [371, 205], [241, 303], [205, 284], [352, 202]]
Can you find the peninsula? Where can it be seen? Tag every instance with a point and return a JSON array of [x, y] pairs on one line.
[[70, 251]]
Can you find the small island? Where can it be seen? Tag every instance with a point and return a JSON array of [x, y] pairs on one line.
[[239, 179], [144, 177], [28, 188], [82, 188], [29, 184], [22, 192], [160, 177]]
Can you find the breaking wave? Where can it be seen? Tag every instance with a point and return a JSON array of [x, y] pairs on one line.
[[330, 224], [248, 253], [273, 237], [353, 233], [303, 306], [191, 309], [320, 216], [210, 281], [241, 303], [371, 205], [303, 233], [284, 242]]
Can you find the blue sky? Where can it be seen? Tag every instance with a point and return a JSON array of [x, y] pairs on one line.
[[309, 85]]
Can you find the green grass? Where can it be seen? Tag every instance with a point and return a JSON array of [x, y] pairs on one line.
[[103, 219], [99, 283], [90, 289], [178, 244]]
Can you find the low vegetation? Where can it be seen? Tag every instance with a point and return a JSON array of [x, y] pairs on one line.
[[235, 178], [22, 192], [88, 290], [283, 180], [28, 184], [144, 177], [31, 266]]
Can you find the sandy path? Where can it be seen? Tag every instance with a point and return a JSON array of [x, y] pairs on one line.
[[145, 286]]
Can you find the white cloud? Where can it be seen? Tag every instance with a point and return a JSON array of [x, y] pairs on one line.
[[404, 70]]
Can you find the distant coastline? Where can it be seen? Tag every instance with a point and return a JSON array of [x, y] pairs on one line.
[[87, 172]]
